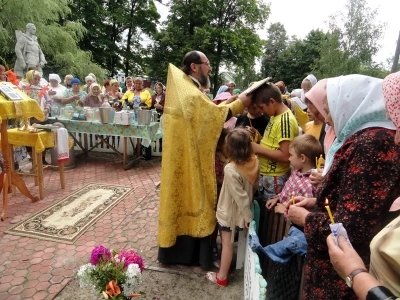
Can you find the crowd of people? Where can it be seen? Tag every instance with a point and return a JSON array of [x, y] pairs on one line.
[[72, 91], [56, 93], [326, 154]]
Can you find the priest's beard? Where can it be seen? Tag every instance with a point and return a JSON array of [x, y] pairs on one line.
[[205, 81]]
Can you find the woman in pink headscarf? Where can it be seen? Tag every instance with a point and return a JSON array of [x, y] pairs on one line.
[[315, 98], [230, 124]]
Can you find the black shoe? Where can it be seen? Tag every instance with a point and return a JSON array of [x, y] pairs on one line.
[[45, 163], [16, 166]]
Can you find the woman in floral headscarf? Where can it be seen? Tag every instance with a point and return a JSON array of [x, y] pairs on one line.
[[391, 91], [385, 254], [362, 179]]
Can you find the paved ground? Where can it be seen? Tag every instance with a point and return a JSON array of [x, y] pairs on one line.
[[38, 269]]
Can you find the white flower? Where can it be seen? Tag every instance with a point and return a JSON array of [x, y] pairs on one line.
[[133, 278], [84, 275]]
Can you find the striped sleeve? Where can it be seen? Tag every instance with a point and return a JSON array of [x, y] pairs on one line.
[[286, 130]]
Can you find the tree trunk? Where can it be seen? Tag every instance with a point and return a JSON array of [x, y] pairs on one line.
[[128, 50], [218, 56], [112, 57], [129, 38], [191, 18], [396, 56]]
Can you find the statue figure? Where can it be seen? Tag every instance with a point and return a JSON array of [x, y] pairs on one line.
[[29, 54]]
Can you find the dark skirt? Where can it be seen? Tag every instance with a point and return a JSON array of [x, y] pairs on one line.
[[189, 251]]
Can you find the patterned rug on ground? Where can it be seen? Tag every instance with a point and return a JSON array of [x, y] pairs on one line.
[[66, 220]]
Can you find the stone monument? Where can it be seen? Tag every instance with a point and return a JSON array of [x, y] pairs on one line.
[[29, 54]]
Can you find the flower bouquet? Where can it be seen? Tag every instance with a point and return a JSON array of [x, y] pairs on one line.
[[114, 274]]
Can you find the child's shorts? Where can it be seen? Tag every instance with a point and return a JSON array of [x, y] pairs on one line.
[[226, 228]]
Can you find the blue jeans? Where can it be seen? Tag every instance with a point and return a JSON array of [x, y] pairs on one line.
[[281, 252]]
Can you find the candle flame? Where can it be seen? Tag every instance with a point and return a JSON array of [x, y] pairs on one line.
[[326, 201]]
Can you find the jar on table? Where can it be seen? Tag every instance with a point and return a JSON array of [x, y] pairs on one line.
[[69, 111]]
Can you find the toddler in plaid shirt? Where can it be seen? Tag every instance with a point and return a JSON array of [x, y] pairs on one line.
[[303, 150]]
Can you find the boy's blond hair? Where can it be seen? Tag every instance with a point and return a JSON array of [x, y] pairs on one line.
[[307, 145]]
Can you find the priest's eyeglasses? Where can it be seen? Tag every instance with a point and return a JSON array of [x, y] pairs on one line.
[[207, 63]]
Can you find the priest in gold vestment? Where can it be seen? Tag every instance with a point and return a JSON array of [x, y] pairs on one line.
[[192, 126]]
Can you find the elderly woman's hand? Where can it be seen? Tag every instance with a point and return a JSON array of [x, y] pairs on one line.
[[297, 215], [343, 257]]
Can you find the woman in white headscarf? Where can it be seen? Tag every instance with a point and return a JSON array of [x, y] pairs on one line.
[[298, 105], [88, 82], [306, 85], [55, 88], [362, 179]]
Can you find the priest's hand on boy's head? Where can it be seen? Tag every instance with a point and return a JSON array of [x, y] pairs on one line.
[[246, 99]]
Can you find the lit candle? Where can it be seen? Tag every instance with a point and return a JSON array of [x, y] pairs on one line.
[[293, 198], [329, 211], [320, 162]]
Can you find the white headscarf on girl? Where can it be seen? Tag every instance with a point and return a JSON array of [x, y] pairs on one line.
[[311, 78], [355, 103]]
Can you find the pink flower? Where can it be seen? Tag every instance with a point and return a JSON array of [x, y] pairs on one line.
[[130, 257], [99, 253]]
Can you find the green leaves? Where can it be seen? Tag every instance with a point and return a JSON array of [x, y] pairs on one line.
[[353, 41], [225, 30], [347, 48], [57, 37]]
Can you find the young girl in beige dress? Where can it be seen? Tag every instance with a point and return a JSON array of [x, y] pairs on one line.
[[241, 177]]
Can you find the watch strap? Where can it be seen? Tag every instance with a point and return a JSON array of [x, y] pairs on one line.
[[354, 273]]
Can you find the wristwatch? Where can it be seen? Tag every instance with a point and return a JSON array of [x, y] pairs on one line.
[[350, 277]]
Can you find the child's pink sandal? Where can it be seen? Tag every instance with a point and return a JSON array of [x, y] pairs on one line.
[[213, 277]]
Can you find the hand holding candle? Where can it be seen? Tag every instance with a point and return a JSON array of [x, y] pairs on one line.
[[336, 228], [329, 211]]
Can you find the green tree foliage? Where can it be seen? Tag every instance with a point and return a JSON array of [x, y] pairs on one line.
[[225, 30], [290, 60], [244, 76], [57, 37], [353, 41], [115, 29], [277, 41]]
